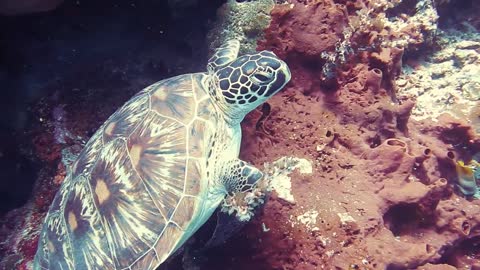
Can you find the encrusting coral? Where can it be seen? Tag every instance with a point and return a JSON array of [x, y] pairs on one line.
[[241, 20]]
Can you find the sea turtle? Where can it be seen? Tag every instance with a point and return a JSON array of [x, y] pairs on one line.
[[156, 170]]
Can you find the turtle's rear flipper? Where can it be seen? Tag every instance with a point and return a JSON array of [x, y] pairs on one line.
[[196, 255], [227, 226]]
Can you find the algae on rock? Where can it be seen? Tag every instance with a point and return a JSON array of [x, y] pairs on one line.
[[446, 81], [244, 21]]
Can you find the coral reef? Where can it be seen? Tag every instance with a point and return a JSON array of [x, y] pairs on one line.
[[241, 20], [448, 79], [384, 183], [376, 197]]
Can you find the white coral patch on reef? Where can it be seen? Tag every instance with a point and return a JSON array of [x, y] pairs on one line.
[[422, 23], [345, 218], [241, 20], [309, 219], [277, 175], [283, 187], [446, 81]]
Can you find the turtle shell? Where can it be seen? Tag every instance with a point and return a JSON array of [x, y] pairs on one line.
[[137, 184]]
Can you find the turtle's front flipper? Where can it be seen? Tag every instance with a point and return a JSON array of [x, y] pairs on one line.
[[239, 176], [224, 55], [239, 180]]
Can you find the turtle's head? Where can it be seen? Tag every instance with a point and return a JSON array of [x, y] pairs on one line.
[[249, 81]]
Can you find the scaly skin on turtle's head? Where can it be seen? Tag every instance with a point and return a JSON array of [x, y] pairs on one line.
[[248, 82]]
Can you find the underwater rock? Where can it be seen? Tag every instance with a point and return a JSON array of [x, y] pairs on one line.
[[430, 266], [300, 33], [390, 173], [448, 80], [241, 20]]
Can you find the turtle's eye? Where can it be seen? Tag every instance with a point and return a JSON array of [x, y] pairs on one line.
[[262, 77]]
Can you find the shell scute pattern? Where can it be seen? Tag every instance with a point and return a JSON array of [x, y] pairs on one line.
[[158, 152], [194, 175], [184, 211], [198, 91], [196, 145], [54, 233], [148, 261], [205, 109], [167, 244], [119, 124], [175, 99], [89, 154], [131, 221], [122, 123], [150, 87], [63, 192], [83, 224], [53, 247]]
